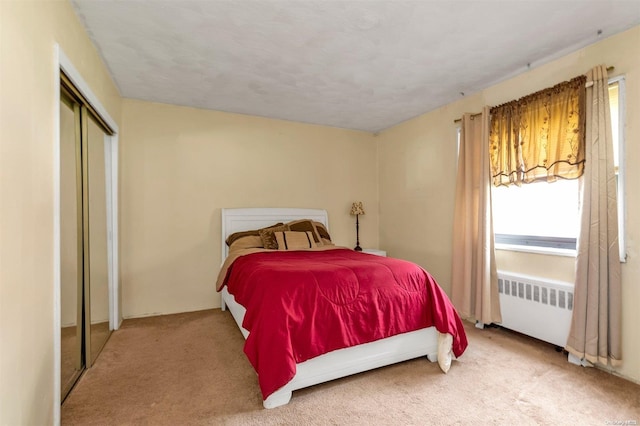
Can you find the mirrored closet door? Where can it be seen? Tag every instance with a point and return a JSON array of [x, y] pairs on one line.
[[85, 263]]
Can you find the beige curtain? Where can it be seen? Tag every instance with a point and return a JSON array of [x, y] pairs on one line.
[[474, 284], [596, 325], [539, 137]]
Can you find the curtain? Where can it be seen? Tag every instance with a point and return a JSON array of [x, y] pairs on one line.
[[595, 333], [539, 137], [474, 284]]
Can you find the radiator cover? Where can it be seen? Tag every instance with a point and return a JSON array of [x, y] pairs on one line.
[[535, 306]]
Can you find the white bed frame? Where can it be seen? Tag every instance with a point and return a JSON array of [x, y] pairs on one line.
[[339, 363]]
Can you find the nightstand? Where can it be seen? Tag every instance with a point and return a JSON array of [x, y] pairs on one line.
[[375, 251]]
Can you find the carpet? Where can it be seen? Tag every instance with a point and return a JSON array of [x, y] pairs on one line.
[[189, 369]]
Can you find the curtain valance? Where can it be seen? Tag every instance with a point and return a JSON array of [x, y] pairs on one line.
[[539, 137]]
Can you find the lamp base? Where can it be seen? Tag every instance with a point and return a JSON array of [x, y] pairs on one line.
[[357, 247]]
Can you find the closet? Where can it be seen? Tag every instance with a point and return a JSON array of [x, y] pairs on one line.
[[84, 245]]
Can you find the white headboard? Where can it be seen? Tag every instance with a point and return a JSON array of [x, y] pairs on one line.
[[236, 220]]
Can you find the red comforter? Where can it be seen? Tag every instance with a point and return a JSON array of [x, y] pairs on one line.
[[301, 304]]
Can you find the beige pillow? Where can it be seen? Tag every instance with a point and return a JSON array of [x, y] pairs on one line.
[[305, 225], [322, 232], [268, 237], [293, 240], [248, 241], [326, 242]]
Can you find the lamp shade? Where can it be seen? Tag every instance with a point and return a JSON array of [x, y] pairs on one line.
[[356, 208]]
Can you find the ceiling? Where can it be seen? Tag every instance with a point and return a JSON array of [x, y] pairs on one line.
[[358, 64]]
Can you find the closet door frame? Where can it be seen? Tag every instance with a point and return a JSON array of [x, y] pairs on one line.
[[81, 365], [63, 64]]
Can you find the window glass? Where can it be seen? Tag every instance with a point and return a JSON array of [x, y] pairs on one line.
[[614, 101], [538, 209], [545, 214]]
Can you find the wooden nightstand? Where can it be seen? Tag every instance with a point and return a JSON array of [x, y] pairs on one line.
[[375, 251]]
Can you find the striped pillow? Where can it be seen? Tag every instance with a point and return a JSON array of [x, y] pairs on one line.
[[305, 225], [268, 236], [292, 240]]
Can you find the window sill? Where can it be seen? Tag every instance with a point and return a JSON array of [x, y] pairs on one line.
[[537, 250]]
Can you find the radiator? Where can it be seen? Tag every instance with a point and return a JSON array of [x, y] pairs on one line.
[[537, 307]]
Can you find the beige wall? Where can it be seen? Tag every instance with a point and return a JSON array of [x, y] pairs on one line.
[[417, 172], [180, 166], [417, 162], [28, 32]]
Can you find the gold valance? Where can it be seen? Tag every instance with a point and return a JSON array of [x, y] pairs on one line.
[[539, 137]]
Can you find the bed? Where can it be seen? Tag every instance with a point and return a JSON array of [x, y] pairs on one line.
[[336, 363]]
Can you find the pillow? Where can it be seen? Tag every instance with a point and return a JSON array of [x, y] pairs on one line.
[[305, 225], [231, 238], [322, 232], [326, 242], [293, 240], [269, 239], [245, 242]]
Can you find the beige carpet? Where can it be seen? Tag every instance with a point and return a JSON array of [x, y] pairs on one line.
[[189, 369]]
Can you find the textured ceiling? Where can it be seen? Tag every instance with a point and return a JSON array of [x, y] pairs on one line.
[[360, 64]]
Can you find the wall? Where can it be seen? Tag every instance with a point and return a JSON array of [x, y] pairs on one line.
[[28, 32], [180, 166], [417, 162], [417, 172]]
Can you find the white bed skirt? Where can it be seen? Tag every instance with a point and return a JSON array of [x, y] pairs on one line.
[[345, 362]]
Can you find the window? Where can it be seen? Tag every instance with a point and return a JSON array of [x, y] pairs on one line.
[[617, 103], [548, 216]]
